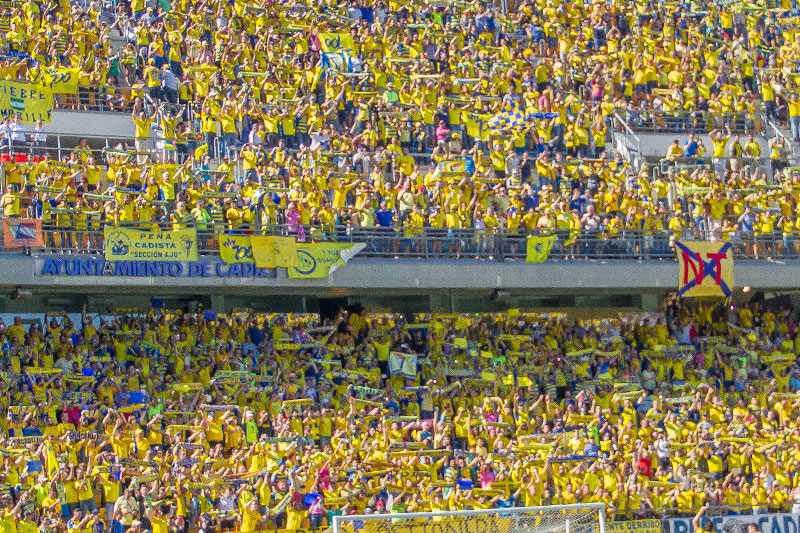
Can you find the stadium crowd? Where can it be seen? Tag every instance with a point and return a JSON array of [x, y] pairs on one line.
[[374, 114], [159, 420]]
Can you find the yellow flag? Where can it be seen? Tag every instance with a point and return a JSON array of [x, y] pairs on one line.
[[30, 101], [476, 125], [539, 248], [316, 260], [285, 251], [235, 249], [61, 80], [336, 42], [51, 461], [270, 251]]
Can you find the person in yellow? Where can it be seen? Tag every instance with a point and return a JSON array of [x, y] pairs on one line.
[[152, 75], [142, 134], [674, 151], [719, 154], [11, 202]]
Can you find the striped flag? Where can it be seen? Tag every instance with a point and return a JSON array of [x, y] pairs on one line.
[[338, 61], [514, 118], [17, 104]]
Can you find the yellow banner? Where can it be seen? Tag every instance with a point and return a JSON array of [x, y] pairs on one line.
[[634, 526], [61, 80], [704, 268], [270, 251], [319, 259], [539, 248], [336, 42], [135, 245], [477, 125], [236, 249], [30, 101]]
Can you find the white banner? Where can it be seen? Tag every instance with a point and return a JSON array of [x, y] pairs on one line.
[[406, 364], [767, 523]]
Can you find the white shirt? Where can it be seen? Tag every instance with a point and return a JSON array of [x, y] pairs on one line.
[[63, 364], [39, 135], [17, 132], [169, 80], [254, 137], [317, 139]]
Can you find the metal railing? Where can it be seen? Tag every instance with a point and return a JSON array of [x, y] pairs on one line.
[[67, 236], [97, 98], [656, 121], [749, 165], [631, 147], [780, 134], [59, 146], [713, 509]]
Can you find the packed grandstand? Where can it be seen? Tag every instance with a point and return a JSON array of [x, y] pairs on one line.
[[437, 127], [450, 118], [162, 420]]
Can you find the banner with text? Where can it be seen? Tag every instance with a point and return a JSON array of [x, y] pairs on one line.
[[30, 101], [124, 244], [336, 42], [318, 260], [61, 80], [766, 523], [652, 525], [704, 268], [236, 249]]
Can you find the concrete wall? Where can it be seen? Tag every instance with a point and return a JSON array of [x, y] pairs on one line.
[[403, 276], [77, 123], [656, 144]]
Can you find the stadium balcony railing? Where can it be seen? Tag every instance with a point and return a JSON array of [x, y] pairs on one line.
[[746, 512], [685, 122], [58, 146], [97, 98], [749, 165], [435, 243]]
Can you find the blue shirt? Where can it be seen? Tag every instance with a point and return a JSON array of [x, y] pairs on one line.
[[530, 200], [747, 222], [384, 218], [591, 450]]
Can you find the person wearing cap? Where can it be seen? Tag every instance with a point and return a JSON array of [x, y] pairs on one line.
[[390, 96]]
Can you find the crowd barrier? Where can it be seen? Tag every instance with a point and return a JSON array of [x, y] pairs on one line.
[[720, 520], [736, 520], [498, 244], [657, 121], [102, 98]]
